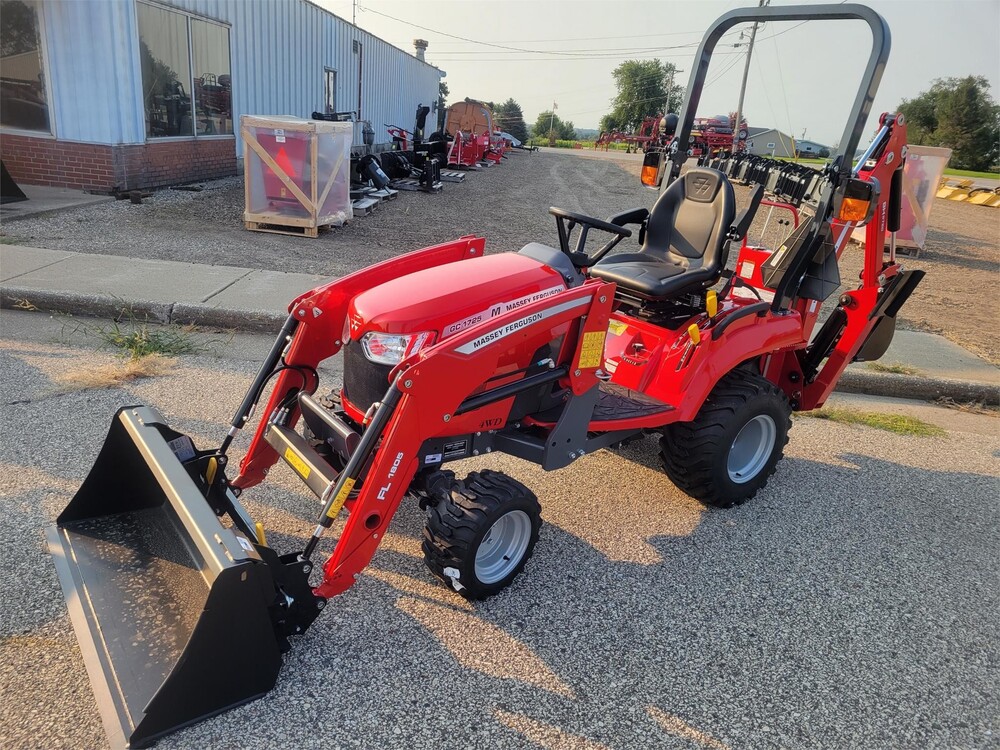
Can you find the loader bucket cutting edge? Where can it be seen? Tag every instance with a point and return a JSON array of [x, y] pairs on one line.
[[170, 607]]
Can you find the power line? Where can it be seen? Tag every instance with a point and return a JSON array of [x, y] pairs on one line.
[[596, 38], [441, 58], [488, 44]]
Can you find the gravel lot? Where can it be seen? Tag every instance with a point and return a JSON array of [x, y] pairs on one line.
[[506, 204], [852, 604]]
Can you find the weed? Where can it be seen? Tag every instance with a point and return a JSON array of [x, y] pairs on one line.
[[898, 423], [136, 337], [5, 240], [111, 375], [895, 369], [138, 340]]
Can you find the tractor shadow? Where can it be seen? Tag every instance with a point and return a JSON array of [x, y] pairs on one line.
[[774, 610]]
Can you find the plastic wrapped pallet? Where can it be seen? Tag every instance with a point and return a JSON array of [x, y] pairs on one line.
[[921, 175], [296, 173]]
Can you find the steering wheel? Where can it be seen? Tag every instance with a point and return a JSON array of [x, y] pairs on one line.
[[566, 222]]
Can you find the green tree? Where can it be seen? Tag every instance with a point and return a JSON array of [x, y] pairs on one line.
[[960, 114], [561, 129], [642, 92], [609, 123], [510, 118], [442, 103]]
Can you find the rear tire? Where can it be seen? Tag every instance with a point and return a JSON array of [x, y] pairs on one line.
[[730, 449], [478, 538]]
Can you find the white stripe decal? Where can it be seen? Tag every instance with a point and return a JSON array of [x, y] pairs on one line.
[[516, 325]]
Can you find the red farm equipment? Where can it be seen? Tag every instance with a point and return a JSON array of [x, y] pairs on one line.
[[710, 136], [646, 136], [475, 141], [183, 609]]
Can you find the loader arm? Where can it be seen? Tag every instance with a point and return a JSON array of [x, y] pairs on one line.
[[320, 320]]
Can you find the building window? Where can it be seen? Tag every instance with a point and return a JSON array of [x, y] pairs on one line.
[[23, 103], [186, 80]]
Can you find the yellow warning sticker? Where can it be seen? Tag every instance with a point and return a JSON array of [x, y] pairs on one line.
[[297, 463], [592, 350], [341, 498], [617, 327]]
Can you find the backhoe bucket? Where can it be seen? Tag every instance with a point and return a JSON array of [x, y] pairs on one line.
[[170, 607]]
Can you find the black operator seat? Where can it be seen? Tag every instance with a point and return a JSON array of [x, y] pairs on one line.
[[686, 240]]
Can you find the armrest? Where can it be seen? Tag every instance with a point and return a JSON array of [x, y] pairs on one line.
[[632, 216]]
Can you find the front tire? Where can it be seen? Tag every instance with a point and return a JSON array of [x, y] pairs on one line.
[[479, 536], [730, 449]]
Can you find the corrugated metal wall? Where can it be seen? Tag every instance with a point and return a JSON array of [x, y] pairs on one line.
[[279, 50]]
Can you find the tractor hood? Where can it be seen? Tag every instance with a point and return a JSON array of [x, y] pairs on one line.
[[448, 299]]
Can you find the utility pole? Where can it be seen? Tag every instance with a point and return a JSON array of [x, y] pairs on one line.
[[670, 88], [552, 140], [743, 86]]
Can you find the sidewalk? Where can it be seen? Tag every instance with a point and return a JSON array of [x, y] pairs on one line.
[[256, 300]]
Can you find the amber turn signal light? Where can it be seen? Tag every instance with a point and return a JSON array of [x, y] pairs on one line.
[[853, 209]]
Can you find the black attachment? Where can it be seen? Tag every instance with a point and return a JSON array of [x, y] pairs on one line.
[[172, 610], [368, 166], [334, 116], [10, 192]]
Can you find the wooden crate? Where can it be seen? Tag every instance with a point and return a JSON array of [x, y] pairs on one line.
[[296, 174]]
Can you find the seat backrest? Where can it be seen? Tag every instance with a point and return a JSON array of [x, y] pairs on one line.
[[689, 221]]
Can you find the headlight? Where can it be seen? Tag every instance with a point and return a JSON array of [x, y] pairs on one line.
[[393, 348]]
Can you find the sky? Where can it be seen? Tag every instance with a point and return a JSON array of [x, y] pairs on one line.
[[802, 79]]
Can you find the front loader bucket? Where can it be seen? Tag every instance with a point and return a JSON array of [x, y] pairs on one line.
[[170, 607]]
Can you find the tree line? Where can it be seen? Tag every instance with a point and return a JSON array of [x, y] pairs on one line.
[[955, 113]]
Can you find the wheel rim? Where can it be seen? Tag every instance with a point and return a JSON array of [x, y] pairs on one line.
[[504, 545], [752, 449]]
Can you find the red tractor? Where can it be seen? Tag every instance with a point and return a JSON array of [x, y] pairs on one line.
[[548, 354]]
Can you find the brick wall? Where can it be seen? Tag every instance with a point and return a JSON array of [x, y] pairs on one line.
[[104, 169]]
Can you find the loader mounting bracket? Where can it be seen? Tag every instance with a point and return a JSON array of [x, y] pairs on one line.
[[295, 606]]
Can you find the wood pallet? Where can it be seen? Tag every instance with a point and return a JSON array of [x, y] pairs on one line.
[[408, 183], [303, 231], [364, 206]]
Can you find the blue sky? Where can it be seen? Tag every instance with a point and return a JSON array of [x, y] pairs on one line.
[[801, 79]]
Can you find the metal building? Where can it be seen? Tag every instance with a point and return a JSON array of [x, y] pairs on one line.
[[111, 95]]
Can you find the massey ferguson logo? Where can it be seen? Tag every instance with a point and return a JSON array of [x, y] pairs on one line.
[[384, 492], [702, 185], [499, 309]]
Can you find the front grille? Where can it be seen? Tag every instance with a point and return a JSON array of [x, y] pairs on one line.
[[365, 382]]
